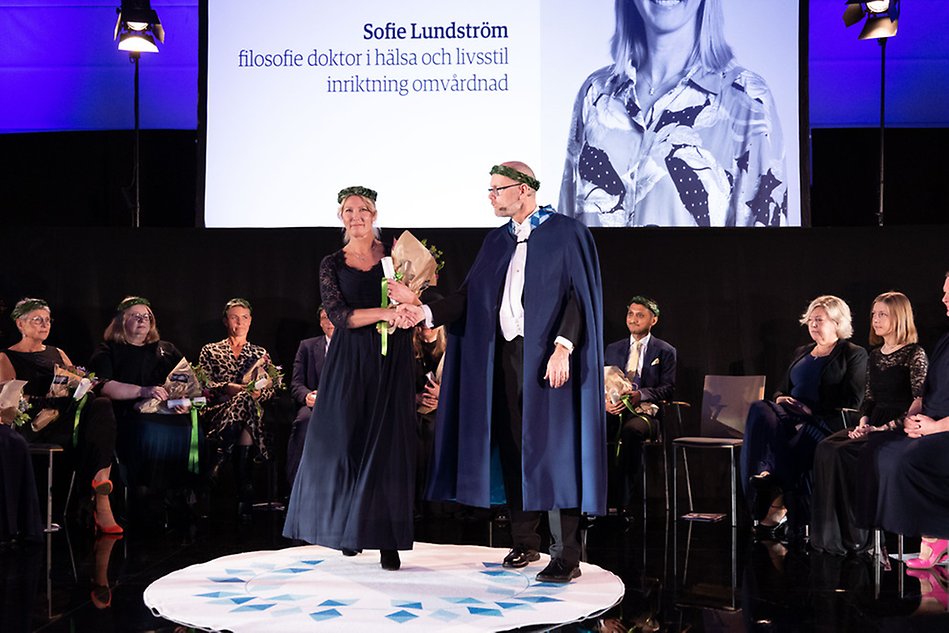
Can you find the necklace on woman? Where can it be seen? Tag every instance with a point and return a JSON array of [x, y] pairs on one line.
[[888, 348], [651, 89]]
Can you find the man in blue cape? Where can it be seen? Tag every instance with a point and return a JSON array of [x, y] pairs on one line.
[[524, 372]]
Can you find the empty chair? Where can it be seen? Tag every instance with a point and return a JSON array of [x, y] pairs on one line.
[[725, 404]]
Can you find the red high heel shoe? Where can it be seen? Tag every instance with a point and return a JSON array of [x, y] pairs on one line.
[[108, 530], [937, 555], [103, 487]]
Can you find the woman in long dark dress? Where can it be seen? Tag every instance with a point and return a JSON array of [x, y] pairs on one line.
[[910, 468], [87, 434], [781, 435], [897, 370], [354, 488]]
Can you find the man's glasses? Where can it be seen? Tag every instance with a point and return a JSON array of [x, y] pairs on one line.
[[497, 190], [141, 318]]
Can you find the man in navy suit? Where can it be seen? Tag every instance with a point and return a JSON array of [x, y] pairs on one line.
[[650, 364], [304, 384]]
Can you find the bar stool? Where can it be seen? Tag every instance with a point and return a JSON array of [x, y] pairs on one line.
[[49, 450]]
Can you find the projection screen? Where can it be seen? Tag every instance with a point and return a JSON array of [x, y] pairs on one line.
[[418, 99]]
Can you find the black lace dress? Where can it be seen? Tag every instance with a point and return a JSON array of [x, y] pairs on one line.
[[893, 381], [354, 488]]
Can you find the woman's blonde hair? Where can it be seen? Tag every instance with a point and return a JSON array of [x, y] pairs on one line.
[[628, 45], [115, 331], [371, 204], [837, 310], [901, 314]]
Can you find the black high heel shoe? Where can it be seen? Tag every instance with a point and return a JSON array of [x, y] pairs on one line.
[[389, 559]]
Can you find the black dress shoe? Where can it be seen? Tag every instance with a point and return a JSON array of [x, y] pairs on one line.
[[389, 559], [351, 552], [520, 556], [558, 571]]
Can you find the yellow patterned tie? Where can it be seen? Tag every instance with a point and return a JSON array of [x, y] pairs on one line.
[[632, 367]]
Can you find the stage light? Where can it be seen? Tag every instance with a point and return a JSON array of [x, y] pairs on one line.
[[882, 18], [137, 27]]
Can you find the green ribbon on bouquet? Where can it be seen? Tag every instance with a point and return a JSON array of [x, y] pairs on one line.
[[75, 422], [193, 455], [619, 429], [383, 326]]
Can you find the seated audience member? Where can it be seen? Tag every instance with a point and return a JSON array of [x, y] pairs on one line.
[[650, 364], [895, 376], [429, 347], [155, 447], [781, 434], [57, 420], [19, 504], [911, 470], [304, 385], [234, 417]]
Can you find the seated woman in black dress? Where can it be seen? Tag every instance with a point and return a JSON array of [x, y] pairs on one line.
[[234, 418], [58, 420], [19, 505], [781, 435], [895, 378], [354, 488], [911, 469], [158, 450]]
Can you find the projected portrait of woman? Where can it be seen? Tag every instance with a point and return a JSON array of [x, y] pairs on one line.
[[674, 132]]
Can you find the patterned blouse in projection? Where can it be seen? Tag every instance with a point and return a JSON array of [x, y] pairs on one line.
[[708, 152]]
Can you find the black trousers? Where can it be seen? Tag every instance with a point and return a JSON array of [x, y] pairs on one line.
[[507, 433], [633, 429]]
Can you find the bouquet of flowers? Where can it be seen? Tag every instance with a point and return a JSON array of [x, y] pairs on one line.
[[74, 382], [263, 374], [617, 386], [619, 389], [183, 389], [414, 263], [14, 406]]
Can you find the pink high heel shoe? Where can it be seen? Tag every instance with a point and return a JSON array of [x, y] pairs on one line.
[[937, 555], [937, 587]]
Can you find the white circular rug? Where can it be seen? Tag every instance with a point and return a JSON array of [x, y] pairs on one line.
[[439, 588]]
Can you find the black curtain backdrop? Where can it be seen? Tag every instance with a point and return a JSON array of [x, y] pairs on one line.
[[729, 299], [84, 178]]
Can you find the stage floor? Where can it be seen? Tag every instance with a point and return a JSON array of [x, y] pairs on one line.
[[677, 576]]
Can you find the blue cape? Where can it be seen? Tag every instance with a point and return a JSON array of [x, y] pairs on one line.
[[564, 445]]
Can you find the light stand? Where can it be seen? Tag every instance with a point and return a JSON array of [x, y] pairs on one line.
[[882, 42], [136, 29], [882, 18], [136, 158]]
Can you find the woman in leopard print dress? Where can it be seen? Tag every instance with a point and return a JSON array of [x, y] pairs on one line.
[[234, 417]]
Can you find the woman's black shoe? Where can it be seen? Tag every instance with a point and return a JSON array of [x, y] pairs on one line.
[[389, 558], [351, 552], [777, 532]]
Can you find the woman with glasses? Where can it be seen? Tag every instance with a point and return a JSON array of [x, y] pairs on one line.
[[134, 363], [79, 426], [781, 434]]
